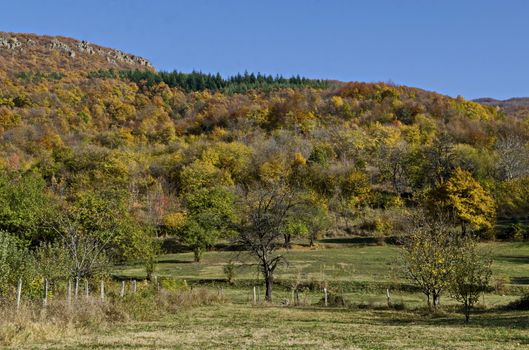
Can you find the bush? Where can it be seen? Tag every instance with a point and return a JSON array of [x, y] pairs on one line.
[[15, 263], [499, 283], [333, 300], [229, 271], [517, 232], [172, 284]]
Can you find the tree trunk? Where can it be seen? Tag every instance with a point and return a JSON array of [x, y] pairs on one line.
[[198, 254], [269, 281], [288, 238], [436, 300], [149, 275], [467, 312], [311, 240], [149, 269]]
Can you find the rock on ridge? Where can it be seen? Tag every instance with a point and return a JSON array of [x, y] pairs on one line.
[[19, 43]]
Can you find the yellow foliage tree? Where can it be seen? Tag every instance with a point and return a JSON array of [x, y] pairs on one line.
[[466, 201]]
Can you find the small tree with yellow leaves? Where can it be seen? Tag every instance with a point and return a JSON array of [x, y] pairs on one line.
[[428, 256]]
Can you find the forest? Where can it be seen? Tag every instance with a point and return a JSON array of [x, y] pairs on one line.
[[105, 167]]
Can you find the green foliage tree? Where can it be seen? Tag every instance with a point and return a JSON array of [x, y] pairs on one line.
[[94, 228], [24, 205], [210, 215], [15, 263]]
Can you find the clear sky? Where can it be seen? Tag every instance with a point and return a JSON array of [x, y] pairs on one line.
[[473, 48]]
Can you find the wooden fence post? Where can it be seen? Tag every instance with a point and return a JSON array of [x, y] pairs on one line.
[[102, 290], [69, 292], [76, 287], [254, 296], [326, 297], [134, 286], [86, 288], [156, 284], [388, 297], [122, 291], [296, 297], [19, 292], [45, 300]]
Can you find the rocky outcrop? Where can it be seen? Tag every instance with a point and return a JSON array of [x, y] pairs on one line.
[[83, 51], [9, 43]]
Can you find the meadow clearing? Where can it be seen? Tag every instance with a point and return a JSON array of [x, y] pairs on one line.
[[359, 273]]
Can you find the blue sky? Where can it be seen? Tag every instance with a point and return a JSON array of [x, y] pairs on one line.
[[473, 48]]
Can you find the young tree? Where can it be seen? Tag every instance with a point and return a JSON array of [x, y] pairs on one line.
[[428, 256], [265, 209], [470, 274]]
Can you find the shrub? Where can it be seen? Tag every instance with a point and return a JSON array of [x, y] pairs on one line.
[[229, 272], [15, 263], [499, 283], [172, 284], [333, 300]]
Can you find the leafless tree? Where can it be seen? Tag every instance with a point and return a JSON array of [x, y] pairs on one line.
[[265, 209], [513, 157], [88, 251], [393, 166]]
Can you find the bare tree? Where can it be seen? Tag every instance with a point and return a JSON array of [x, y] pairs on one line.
[[393, 165], [265, 209], [513, 157], [88, 252]]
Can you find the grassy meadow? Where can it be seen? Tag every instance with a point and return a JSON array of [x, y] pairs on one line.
[[360, 273]]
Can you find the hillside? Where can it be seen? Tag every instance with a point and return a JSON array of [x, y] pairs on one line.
[[29, 52], [81, 119], [517, 106], [149, 200]]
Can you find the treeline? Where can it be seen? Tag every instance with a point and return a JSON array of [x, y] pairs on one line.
[[198, 81]]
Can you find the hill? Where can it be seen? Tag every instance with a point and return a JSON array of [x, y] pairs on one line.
[[517, 106], [29, 52], [87, 119]]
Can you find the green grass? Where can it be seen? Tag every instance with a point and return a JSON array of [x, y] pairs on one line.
[[246, 327], [334, 264], [366, 322]]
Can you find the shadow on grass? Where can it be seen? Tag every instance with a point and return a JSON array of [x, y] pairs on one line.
[[478, 318], [520, 280], [517, 259], [360, 240], [174, 261]]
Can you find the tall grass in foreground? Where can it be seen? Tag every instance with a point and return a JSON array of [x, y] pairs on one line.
[[34, 323]]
